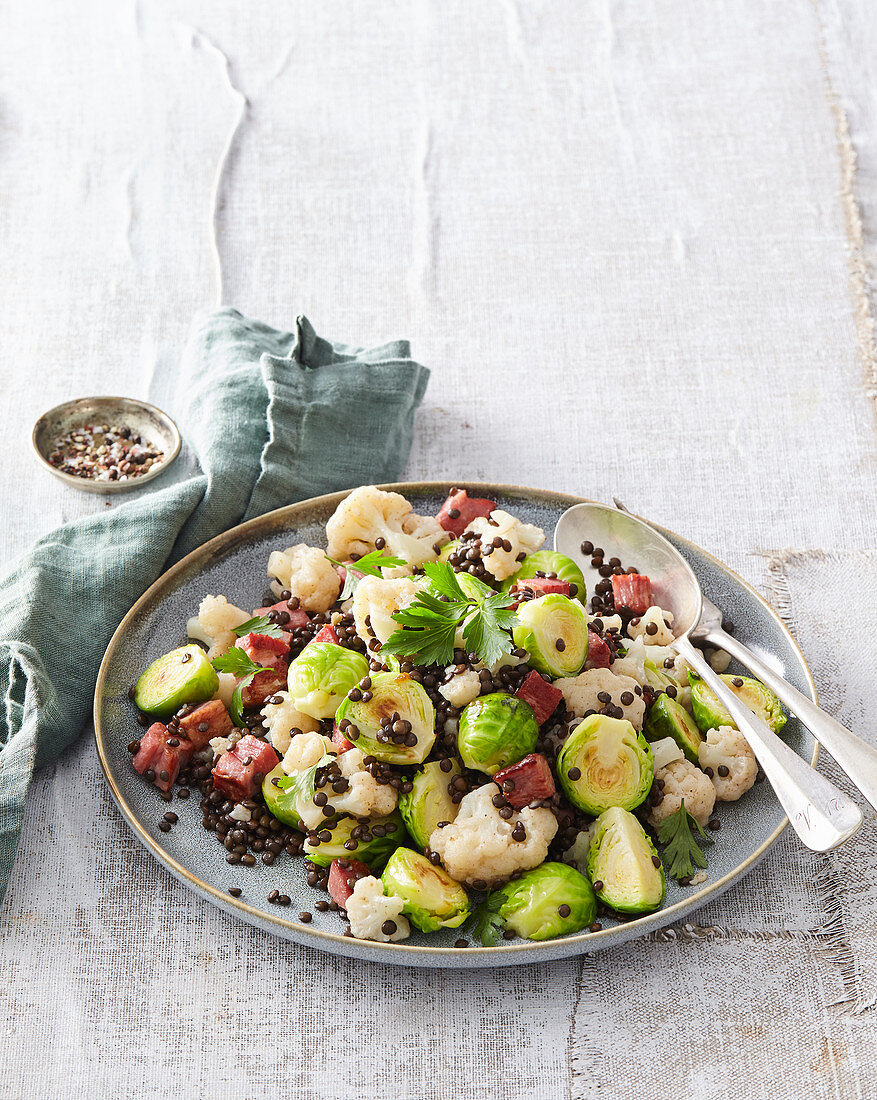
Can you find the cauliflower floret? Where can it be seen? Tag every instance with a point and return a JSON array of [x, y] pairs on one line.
[[500, 528], [577, 853], [665, 751], [610, 622], [221, 745], [682, 779], [307, 573], [633, 664], [464, 687], [655, 617], [719, 660], [580, 694], [364, 797], [376, 599], [281, 718], [726, 747], [368, 514], [478, 846], [214, 625], [304, 751], [368, 907]]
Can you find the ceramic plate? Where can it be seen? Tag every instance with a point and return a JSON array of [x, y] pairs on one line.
[[234, 565]]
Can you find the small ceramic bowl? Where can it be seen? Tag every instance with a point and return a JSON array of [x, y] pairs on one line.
[[143, 419]]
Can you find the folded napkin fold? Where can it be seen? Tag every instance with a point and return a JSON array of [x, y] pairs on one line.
[[273, 417]]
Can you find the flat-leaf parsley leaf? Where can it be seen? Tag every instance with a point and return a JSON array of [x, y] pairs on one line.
[[369, 565], [237, 662], [428, 626], [681, 850]]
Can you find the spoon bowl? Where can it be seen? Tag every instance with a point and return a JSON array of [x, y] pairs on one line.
[[621, 535]]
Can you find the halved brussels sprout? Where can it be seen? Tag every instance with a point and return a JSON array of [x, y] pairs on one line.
[[554, 631], [495, 731], [667, 718], [604, 762], [429, 801], [551, 900], [624, 865], [377, 839], [657, 676], [182, 676], [448, 549], [709, 712], [432, 898], [550, 561], [321, 676], [281, 797], [394, 720], [474, 588]]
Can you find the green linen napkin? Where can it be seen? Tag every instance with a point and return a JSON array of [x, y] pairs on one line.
[[273, 417]]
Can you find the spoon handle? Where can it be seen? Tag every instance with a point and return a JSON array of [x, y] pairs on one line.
[[857, 758], [821, 815]]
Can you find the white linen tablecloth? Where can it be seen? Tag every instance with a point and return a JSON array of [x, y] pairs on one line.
[[634, 242]]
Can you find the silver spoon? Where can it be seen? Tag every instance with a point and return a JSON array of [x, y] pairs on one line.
[[821, 815]]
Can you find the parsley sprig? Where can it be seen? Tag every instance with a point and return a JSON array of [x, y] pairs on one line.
[[304, 783], [428, 626], [261, 624], [237, 662], [681, 849], [369, 565]]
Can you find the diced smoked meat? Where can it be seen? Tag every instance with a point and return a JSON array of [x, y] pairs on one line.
[[599, 655], [214, 716], [327, 634], [264, 685], [340, 740], [297, 617], [264, 650], [632, 590], [542, 586], [157, 755], [460, 509], [241, 770], [542, 696], [343, 874], [532, 781]]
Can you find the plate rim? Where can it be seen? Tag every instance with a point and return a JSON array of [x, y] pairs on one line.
[[413, 954]]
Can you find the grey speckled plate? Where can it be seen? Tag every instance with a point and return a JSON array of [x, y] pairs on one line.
[[234, 564]]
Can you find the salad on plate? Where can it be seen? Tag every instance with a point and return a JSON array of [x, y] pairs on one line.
[[437, 718]]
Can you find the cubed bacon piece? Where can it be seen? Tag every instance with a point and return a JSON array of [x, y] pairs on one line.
[[343, 876], [542, 696], [460, 509], [241, 770], [542, 586], [205, 722], [599, 654], [297, 617], [264, 685], [327, 634], [264, 650], [632, 590], [532, 780], [340, 740], [165, 760]]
